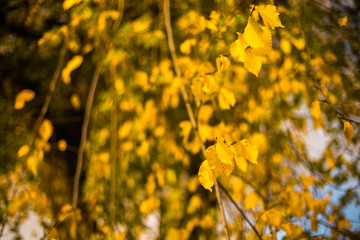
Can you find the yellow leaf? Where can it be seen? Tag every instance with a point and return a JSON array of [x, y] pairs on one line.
[[269, 15], [291, 229], [222, 63], [331, 162], [202, 87], [223, 152], [65, 212], [125, 129], [62, 145], [315, 109], [253, 62], [141, 78], [23, 151], [267, 40], [186, 46], [343, 21], [73, 64], [205, 113], [249, 151], [344, 223], [206, 176], [75, 101], [237, 48], [274, 217], [250, 200], [69, 3], [285, 46], [22, 97], [348, 131], [241, 163], [253, 34], [45, 130], [32, 163], [226, 99]]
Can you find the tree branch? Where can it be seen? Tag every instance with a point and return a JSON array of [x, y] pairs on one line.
[[240, 211], [188, 107], [83, 140]]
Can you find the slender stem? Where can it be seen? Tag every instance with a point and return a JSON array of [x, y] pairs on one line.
[[113, 148], [57, 221], [188, 107], [83, 140], [241, 211], [50, 92]]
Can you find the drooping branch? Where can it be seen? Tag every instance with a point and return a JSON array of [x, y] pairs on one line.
[[84, 131], [188, 107]]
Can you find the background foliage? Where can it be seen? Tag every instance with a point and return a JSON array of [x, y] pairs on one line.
[[98, 141]]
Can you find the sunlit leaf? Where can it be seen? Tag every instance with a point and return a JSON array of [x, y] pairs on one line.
[[348, 131], [206, 176], [253, 62], [226, 99], [343, 21], [253, 34], [22, 97], [269, 15], [315, 109], [251, 200]]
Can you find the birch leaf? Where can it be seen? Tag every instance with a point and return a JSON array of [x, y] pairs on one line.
[[269, 15], [253, 62], [348, 131]]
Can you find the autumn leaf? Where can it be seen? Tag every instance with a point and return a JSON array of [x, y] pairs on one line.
[[250, 200], [237, 48], [247, 150], [343, 21], [46, 129], [315, 109], [67, 4], [223, 152], [348, 131], [23, 151], [226, 99], [22, 97], [206, 176], [253, 34], [222, 63], [273, 217], [73, 64], [32, 163], [224, 166], [62, 145], [269, 15], [253, 62], [75, 101]]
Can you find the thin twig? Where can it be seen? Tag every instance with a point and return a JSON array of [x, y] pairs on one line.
[[240, 211], [57, 221], [188, 107], [51, 90], [113, 150], [83, 140], [315, 80]]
